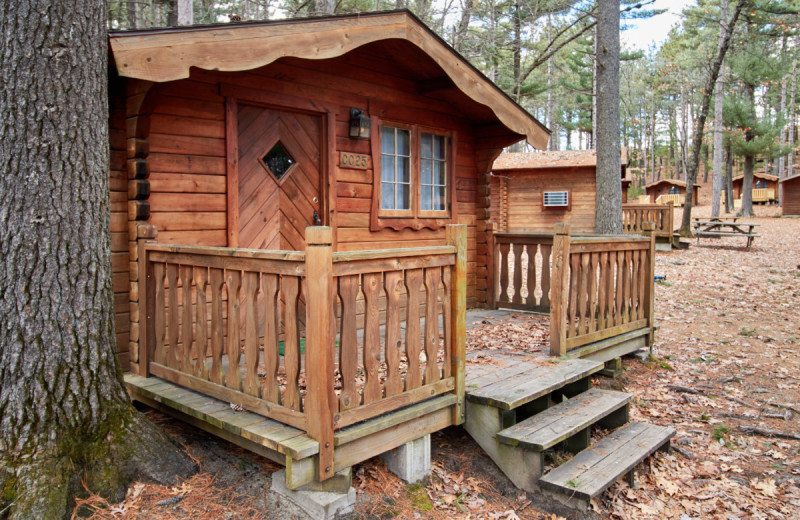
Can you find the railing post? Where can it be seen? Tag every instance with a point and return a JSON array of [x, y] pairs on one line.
[[491, 290], [669, 224], [649, 230], [559, 290], [144, 303], [320, 402], [457, 237]]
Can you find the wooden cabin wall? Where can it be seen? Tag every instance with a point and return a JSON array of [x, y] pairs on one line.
[[118, 186], [790, 203], [523, 208], [187, 149]]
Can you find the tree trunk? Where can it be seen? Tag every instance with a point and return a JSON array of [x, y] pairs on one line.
[[64, 412], [324, 6], [130, 14], [708, 90], [716, 180], [608, 198], [728, 179], [791, 120], [749, 160]]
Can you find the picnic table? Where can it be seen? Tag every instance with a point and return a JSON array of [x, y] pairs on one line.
[[725, 226]]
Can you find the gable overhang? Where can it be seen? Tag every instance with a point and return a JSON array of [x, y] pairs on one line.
[[164, 55]]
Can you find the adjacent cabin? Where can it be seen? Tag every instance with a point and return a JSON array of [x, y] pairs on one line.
[[664, 190], [300, 217], [765, 187], [790, 198], [534, 191]]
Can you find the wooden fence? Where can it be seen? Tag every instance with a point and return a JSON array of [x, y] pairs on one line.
[[261, 329], [635, 215], [594, 287], [675, 199], [763, 194]]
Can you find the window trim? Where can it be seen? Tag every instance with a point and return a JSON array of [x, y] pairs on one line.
[[415, 218]]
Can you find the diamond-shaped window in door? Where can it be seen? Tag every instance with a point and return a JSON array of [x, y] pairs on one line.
[[278, 161]]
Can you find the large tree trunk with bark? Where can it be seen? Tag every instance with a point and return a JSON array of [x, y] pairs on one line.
[[686, 218], [64, 414], [608, 198], [749, 161], [716, 179]]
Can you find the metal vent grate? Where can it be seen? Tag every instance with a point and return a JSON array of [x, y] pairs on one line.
[[556, 198]]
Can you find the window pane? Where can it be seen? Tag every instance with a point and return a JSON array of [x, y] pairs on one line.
[[425, 172], [387, 195], [403, 138], [403, 200], [425, 146], [387, 140], [438, 147], [438, 173], [439, 199], [426, 203], [403, 171], [387, 168]]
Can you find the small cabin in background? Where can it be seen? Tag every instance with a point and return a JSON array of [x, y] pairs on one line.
[[665, 190], [790, 200], [534, 191], [765, 187]]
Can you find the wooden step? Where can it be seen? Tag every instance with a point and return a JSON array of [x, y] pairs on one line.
[[546, 429], [519, 382], [593, 470]]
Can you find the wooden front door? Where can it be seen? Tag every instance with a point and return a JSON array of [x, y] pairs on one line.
[[279, 177]]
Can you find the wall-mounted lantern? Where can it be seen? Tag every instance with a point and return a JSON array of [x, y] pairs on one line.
[[359, 124]]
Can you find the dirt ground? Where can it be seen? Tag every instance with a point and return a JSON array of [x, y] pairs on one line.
[[726, 359]]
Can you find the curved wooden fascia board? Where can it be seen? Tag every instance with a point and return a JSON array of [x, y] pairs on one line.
[[169, 55]]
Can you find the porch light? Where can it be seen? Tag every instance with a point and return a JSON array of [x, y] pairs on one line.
[[359, 124]]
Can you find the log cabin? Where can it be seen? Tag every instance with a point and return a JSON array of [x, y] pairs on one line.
[[534, 191], [790, 198], [765, 187], [664, 190], [300, 218]]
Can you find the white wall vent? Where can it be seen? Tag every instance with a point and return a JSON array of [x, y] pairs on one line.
[[558, 199]]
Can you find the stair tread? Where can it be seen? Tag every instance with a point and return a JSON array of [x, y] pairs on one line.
[[523, 382], [593, 470], [546, 429]]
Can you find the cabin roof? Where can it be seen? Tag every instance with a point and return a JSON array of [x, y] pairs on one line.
[[551, 159], [760, 175], [792, 178], [162, 55], [674, 182]]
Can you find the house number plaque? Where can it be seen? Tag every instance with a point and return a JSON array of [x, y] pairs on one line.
[[354, 161]]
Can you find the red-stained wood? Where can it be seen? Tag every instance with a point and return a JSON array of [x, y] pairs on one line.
[[373, 286]]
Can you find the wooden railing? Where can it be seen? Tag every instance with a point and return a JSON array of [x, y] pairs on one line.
[[763, 194], [519, 270], [260, 329], [635, 215], [602, 286], [676, 199]]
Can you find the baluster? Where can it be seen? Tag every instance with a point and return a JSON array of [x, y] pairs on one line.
[[186, 319], [583, 295], [432, 279], [372, 336], [159, 318], [530, 300], [503, 258], [546, 250], [610, 290], [517, 273], [172, 320], [234, 345], [573, 324], [291, 341], [217, 332], [272, 317], [413, 286], [633, 311], [602, 296], [448, 320], [252, 285], [593, 317], [348, 349], [640, 308], [394, 288], [201, 322]]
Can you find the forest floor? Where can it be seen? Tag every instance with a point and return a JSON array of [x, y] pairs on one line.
[[726, 358]]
